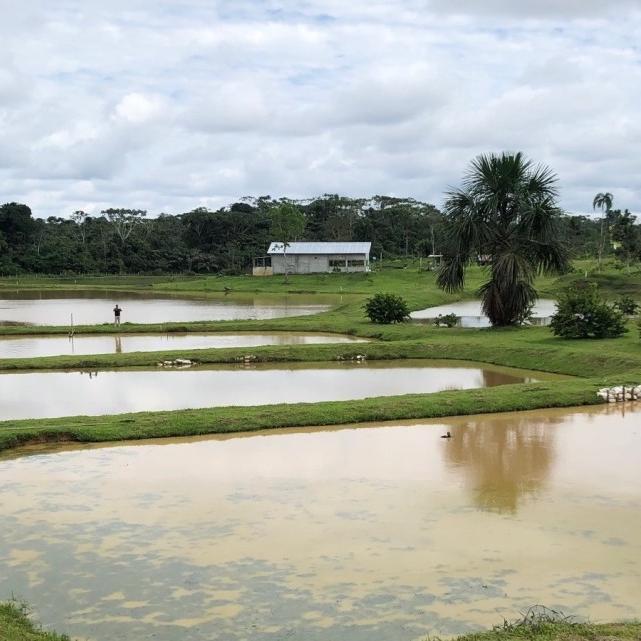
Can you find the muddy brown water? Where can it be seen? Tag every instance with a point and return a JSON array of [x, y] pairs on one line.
[[71, 393], [358, 534], [47, 345], [90, 307]]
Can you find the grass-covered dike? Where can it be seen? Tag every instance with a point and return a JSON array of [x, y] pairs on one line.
[[227, 420], [541, 624]]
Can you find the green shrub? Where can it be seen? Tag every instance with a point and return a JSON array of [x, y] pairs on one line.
[[627, 305], [386, 309], [525, 317], [583, 313], [447, 320]]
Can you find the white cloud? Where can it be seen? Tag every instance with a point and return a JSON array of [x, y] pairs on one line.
[[229, 107], [137, 108], [535, 8], [167, 106]]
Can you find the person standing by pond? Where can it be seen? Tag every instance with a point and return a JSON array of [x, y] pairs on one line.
[[117, 311]]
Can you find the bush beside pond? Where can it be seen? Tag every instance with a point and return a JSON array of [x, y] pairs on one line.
[[386, 309], [583, 313]]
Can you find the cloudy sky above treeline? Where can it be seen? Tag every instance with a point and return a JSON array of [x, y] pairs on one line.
[[171, 105]]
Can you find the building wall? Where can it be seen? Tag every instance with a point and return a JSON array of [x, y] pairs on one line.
[[319, 264], [259, 270]]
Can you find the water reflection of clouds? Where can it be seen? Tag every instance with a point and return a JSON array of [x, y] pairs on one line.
[[32, 346], [88, 308], [228, 602], [111, 392], [471, 315], [353, 534], [140, 593]]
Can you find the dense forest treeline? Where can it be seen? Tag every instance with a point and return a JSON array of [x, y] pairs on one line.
[[226, 240]]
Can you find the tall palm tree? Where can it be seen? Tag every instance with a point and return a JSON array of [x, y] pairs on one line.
[[506, 213], [603, 200]]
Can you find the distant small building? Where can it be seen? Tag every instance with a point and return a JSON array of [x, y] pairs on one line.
[[262, 266], [434, 261], [313, 258]]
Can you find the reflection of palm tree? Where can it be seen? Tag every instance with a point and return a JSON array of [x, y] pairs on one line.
[[504, 457], [492, 378]]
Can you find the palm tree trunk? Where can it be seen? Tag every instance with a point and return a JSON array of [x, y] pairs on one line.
[[601, 244]]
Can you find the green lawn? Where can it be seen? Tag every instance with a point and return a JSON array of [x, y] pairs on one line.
[[560, 631], [532, 348]]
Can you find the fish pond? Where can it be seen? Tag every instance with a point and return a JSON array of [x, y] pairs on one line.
[[355, 534], [471, 315], [90, 307], [37, 394], [53, 345]]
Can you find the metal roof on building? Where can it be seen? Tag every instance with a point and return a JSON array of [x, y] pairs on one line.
[[321, 248]]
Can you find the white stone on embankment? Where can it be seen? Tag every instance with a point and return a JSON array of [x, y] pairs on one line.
[[620, 393], [360, 358], [178, 362]]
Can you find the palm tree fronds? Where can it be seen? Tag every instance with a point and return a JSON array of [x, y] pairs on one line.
[[506, 209], [451, 274], [603, 201]]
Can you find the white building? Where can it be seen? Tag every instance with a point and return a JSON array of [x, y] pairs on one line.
[[313, 258]]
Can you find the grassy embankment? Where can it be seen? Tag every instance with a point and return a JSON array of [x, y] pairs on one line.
[[594, 362], [560, 631], [225, 420], [15, 625]]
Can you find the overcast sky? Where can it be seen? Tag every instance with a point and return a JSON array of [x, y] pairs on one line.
[[170, 105]]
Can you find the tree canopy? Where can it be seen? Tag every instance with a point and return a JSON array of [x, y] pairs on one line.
[[227, 239], [205, 241]]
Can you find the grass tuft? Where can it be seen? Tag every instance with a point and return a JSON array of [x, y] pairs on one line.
[[16, 625]]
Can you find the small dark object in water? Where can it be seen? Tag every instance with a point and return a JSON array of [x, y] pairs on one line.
[[448, 435]]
